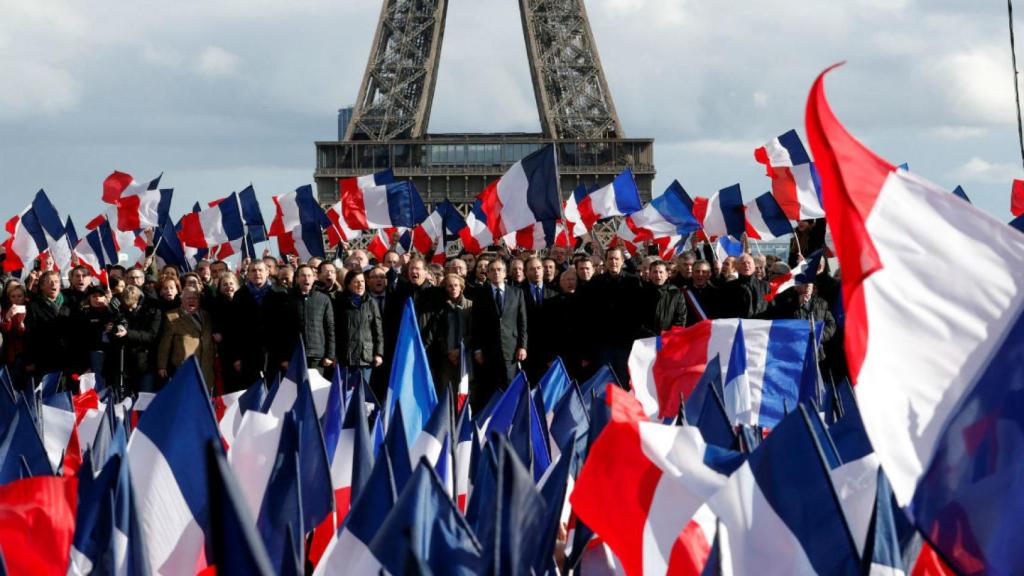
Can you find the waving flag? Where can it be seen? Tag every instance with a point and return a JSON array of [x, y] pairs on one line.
[[724, 213], [781, 511], [804, 273], [22, 452], [119, 184], [528, 192], [620, 198], [383, 206], [665, 367], [537, 236], [668, 215], [795, 182], [37, 522], [668, 473], [252, 215], [29, 236], [477, 235], [411, 383], [168, 477], [938, 384], [765, 218], [214, 226], [354, 185], [299, 222], [339, 230], [142, 209], [1017, 198]]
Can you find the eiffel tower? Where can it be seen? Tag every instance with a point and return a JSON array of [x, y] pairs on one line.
[[389, 122]]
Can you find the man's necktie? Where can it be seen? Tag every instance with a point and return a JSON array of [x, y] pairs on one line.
[[499, 299]]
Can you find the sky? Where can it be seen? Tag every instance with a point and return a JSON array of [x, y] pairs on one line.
[[217, 94]]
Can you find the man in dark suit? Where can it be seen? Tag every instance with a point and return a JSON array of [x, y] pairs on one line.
[[499, 338], [538, 318], [258, 305]]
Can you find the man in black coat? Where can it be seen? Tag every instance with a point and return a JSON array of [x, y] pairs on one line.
[[702, 293], [258, 305], [538, 294], [744, 296], [663, 303], [609, 306], [307, 312], [499, 333], [47, 325]]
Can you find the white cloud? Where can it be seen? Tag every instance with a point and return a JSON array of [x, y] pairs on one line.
[[958, 132], [977, 85], [760, 99], [216, 61], [980, 170], [30, 89]]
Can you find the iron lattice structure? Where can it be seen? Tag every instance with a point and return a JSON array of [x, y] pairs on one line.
[[389, 124], [398, 85], [573, 99]]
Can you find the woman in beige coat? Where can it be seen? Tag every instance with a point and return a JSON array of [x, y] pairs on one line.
[[188, 331]]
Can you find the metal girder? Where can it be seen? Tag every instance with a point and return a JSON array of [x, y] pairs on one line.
[[398, 85], [573, 99]]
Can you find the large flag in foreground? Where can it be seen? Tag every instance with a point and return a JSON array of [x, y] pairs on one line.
[[938, 374], [664, 367], [643, 483]]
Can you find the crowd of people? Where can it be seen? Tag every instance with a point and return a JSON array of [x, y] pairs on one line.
[[488, 315]]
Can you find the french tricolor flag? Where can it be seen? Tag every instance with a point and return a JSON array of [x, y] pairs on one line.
[[339, 230], [795, 182], [528, 192], [169, 479], [31, 231], [137, 205], [381, 242], [620, 198], [476, 236], [298, 223], [352, 186], [119, 184], [781, 509], [804, 273], [667, 215], [397, 204], [936, 361], [214, 226], [444, 223], [97, 250], [667, 473], [765, 218], [663, 368], [722, 214], [538, 236]]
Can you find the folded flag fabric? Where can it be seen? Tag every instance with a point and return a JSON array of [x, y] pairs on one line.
[[169, 480], [444, 224], [937, 376], [119, 184], [214, 226], [723, 213], [765, 218], [795, 181], [397, 204], [528, 192], [669, 472], [538, 236], [667, 367], [667, 215], [37, 523], [477, 235], [142, 209], [619, 198], [780, 508], [1017, 198], [804, 273]]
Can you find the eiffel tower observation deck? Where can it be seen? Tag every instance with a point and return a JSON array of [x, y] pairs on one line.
[[389, 122]]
